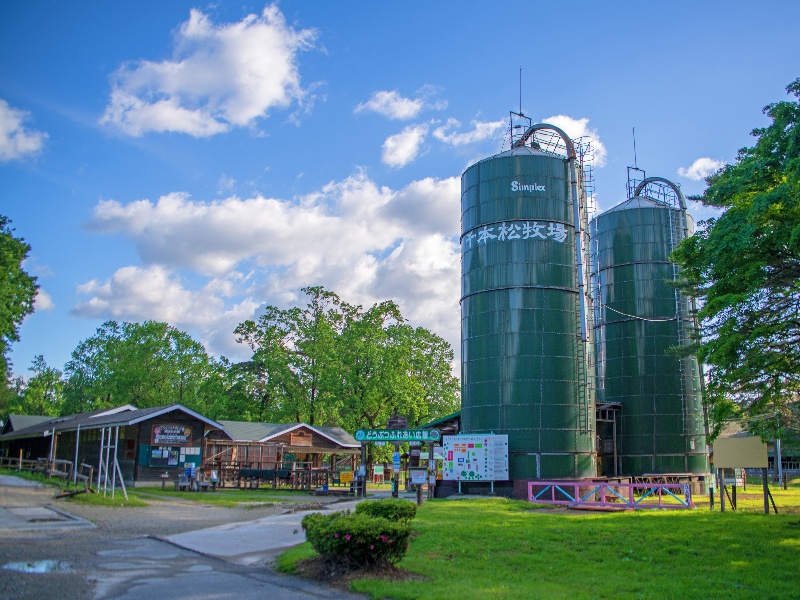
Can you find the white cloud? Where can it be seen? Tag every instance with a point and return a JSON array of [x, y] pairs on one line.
[[481, 130], [402, 148], [392, 105], [701, 168], [138, 294], [209, 265], [220, 76], [576, 128], [43, 301], [15, 140]]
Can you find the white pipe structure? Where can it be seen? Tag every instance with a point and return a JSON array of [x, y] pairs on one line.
[[100, 462], [681, 199], [75, 464]]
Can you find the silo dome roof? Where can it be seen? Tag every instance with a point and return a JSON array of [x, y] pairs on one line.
[[637, 202], [521, 151]]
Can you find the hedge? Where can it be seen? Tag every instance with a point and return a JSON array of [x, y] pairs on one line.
[[392, 509], [356, 540]]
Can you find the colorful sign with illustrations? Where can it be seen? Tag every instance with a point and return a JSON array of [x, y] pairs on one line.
[[475, 457], [171, 435]]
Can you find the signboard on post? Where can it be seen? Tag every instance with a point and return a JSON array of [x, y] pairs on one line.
[[475, 458], [171, 435], [398, 435], [418, 476]]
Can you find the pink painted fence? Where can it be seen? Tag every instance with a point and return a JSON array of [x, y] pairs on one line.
[[611, 495]]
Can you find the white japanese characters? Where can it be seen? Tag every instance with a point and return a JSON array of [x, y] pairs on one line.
[[516, 231]]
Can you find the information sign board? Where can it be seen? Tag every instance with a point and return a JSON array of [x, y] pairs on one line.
[[398, 435], [418, 476], [475, 457], [396, 461]]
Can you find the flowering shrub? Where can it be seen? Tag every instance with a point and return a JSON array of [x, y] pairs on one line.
[[393, 509], [356, 540]]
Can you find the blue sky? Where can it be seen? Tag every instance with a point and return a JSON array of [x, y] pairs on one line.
[[191, 163]]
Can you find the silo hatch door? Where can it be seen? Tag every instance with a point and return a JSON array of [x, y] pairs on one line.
[[607, 416]]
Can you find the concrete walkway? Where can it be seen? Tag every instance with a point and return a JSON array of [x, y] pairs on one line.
[[259, 541], [24, 517]]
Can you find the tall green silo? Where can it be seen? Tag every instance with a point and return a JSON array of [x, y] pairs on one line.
[[525, 339], [641, 319]]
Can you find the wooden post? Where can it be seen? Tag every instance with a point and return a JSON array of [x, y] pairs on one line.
[[765, 483], [721, 489]]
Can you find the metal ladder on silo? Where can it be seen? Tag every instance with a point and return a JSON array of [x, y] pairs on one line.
[[675, 227]]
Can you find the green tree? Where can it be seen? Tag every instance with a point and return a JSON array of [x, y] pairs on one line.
[[42, 394], [233, 391], [365, 381], [144, 364], [332, 363], [293, 354], [744, 266], [17, 290]]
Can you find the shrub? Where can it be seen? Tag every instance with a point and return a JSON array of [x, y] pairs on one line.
[[356, 540], [392, 509]]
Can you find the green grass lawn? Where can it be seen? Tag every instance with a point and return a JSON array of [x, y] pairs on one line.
[[230, 497], [497, 548]]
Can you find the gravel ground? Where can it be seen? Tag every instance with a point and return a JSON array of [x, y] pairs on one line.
[[83, 549]]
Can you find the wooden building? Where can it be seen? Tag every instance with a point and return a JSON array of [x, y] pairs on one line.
[[287, 447], [147, 442]]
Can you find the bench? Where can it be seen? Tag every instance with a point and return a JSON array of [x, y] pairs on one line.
[[183, 484], [331, 491]]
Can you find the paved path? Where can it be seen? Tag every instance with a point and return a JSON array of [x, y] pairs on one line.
[[20, 513], [93, 564], [251, 542]]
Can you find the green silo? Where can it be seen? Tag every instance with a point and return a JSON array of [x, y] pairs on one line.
[[641, 319], [525, 340]]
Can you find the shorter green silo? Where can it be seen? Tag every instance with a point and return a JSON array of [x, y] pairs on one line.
[[641, 319]]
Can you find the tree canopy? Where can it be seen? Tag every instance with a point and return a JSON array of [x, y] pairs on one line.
[[17, 289], [333, 363], [143, 364], [41, 395], [744, 266]]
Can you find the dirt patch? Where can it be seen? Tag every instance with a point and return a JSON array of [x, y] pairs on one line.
[[340, 577]]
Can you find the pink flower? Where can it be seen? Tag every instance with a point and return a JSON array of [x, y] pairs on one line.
[[383, 538], [372, 546], [336, 535], [347, 537]]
